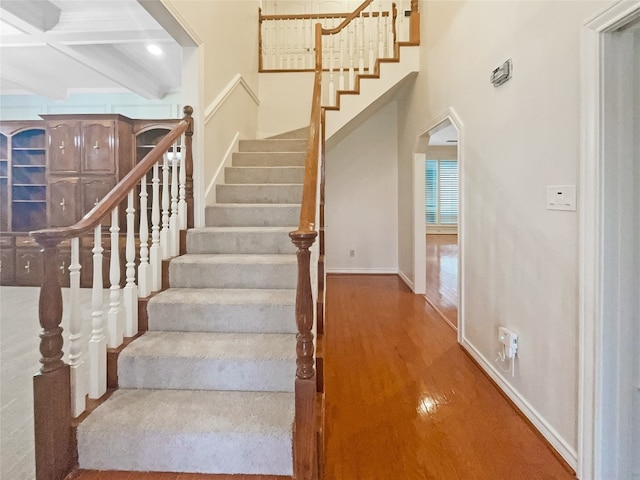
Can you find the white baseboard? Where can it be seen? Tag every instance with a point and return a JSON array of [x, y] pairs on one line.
[[364, 271], [562, 447], [218, 177], [406, 280]]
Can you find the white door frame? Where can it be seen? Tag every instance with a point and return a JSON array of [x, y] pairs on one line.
[[419, 241], [598, 380]]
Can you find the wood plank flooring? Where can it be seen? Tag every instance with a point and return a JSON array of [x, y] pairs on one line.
[[442, 275], [403, 401]]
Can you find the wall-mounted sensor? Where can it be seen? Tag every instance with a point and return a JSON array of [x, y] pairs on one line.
[[502, 73]]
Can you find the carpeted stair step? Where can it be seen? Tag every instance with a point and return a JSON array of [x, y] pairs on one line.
[[268, 159], [244, 215], [299, 133], [260, 193], [233, 271], [235, 175], [273, 145], [240, 240], [223, 310], [189, 431], [209, 361]]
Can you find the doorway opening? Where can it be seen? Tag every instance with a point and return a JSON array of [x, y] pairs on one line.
[[438, 225]]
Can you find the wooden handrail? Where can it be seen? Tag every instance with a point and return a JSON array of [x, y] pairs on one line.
[[346, 21], [112, 199]]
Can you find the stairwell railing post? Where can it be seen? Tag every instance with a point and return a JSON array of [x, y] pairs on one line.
[[188, 164]]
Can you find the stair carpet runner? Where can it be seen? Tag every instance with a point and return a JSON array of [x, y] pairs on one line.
[[209, 388]]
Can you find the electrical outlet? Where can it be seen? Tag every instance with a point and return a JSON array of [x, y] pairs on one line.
[[509, 339], [352, 253]]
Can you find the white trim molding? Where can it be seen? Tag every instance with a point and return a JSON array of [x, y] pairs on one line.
[[218, 177], [237, 80], [563, 448], [591, 444]]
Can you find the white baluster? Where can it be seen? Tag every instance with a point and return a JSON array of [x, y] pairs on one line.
[[352, 48], [341, 77], [370, 25], [130, 292], [76, 361], [281, 34], [114, 324], [361, 44], [380, 26], [308, 35], [389, 36], [164, 233], [182, 202], [98, 342], [143, 268], [155, 255], [174, 232], [332, 85]]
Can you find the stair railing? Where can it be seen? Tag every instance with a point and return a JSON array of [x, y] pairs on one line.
[[307, 432], [61, 389], [286, 42]]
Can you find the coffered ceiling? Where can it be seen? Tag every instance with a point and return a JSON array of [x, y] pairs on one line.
[[57, 47]]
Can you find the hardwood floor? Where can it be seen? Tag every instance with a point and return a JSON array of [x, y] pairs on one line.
[[442, 275], [403, 401]]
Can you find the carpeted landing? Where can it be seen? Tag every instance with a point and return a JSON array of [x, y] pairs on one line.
[[209, 389]]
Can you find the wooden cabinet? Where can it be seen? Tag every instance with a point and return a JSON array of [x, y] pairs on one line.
[[4, 184], [89, 154]]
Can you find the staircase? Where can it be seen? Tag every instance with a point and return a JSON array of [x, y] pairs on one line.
[[209, 388]]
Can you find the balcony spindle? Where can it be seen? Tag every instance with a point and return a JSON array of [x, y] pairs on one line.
[[352, 52], [370, 25], [98, 342], [361, 43], [130, 292], [143, 268], [342, 52]]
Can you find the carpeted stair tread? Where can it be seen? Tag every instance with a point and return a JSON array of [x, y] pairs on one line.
[[233, 271], [259, 193], [254, 175], [209, 361], [190, 431], [273, 145], [240, 240], [223, 310], [253, 214], [268, 159]]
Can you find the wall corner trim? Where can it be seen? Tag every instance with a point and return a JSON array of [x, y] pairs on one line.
[[406, 280], [237, 80]]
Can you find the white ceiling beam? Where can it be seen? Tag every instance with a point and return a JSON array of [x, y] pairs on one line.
[[85, 38], [44, 88], [117, 68], [42, 15]]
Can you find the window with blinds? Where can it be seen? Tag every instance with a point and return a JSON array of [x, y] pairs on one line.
[[441, 192]]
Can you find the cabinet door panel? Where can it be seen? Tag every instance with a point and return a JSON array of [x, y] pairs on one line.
[[98, 141], [92, 192], [62, 203], [64, 152], [7, 266], [28, 267]]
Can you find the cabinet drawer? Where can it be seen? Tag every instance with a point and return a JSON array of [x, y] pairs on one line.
[[98, 141]]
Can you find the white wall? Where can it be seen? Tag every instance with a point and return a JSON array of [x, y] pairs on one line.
[[285, 102], [361, 191], [521, 260], [228, 36]]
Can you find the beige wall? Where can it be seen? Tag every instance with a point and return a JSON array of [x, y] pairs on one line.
[[361, 192], [520, 259], [228, 33]]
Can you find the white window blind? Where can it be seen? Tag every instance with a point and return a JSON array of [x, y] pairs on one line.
[[441, 192]]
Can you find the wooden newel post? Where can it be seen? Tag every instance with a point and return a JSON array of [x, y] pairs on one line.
[[54, 450], [188, 165], [305, 448], [414, 23]]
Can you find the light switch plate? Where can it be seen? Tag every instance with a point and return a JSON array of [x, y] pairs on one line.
[[561, 197]]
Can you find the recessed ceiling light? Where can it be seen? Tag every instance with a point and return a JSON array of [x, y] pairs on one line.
[[154, 49]]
